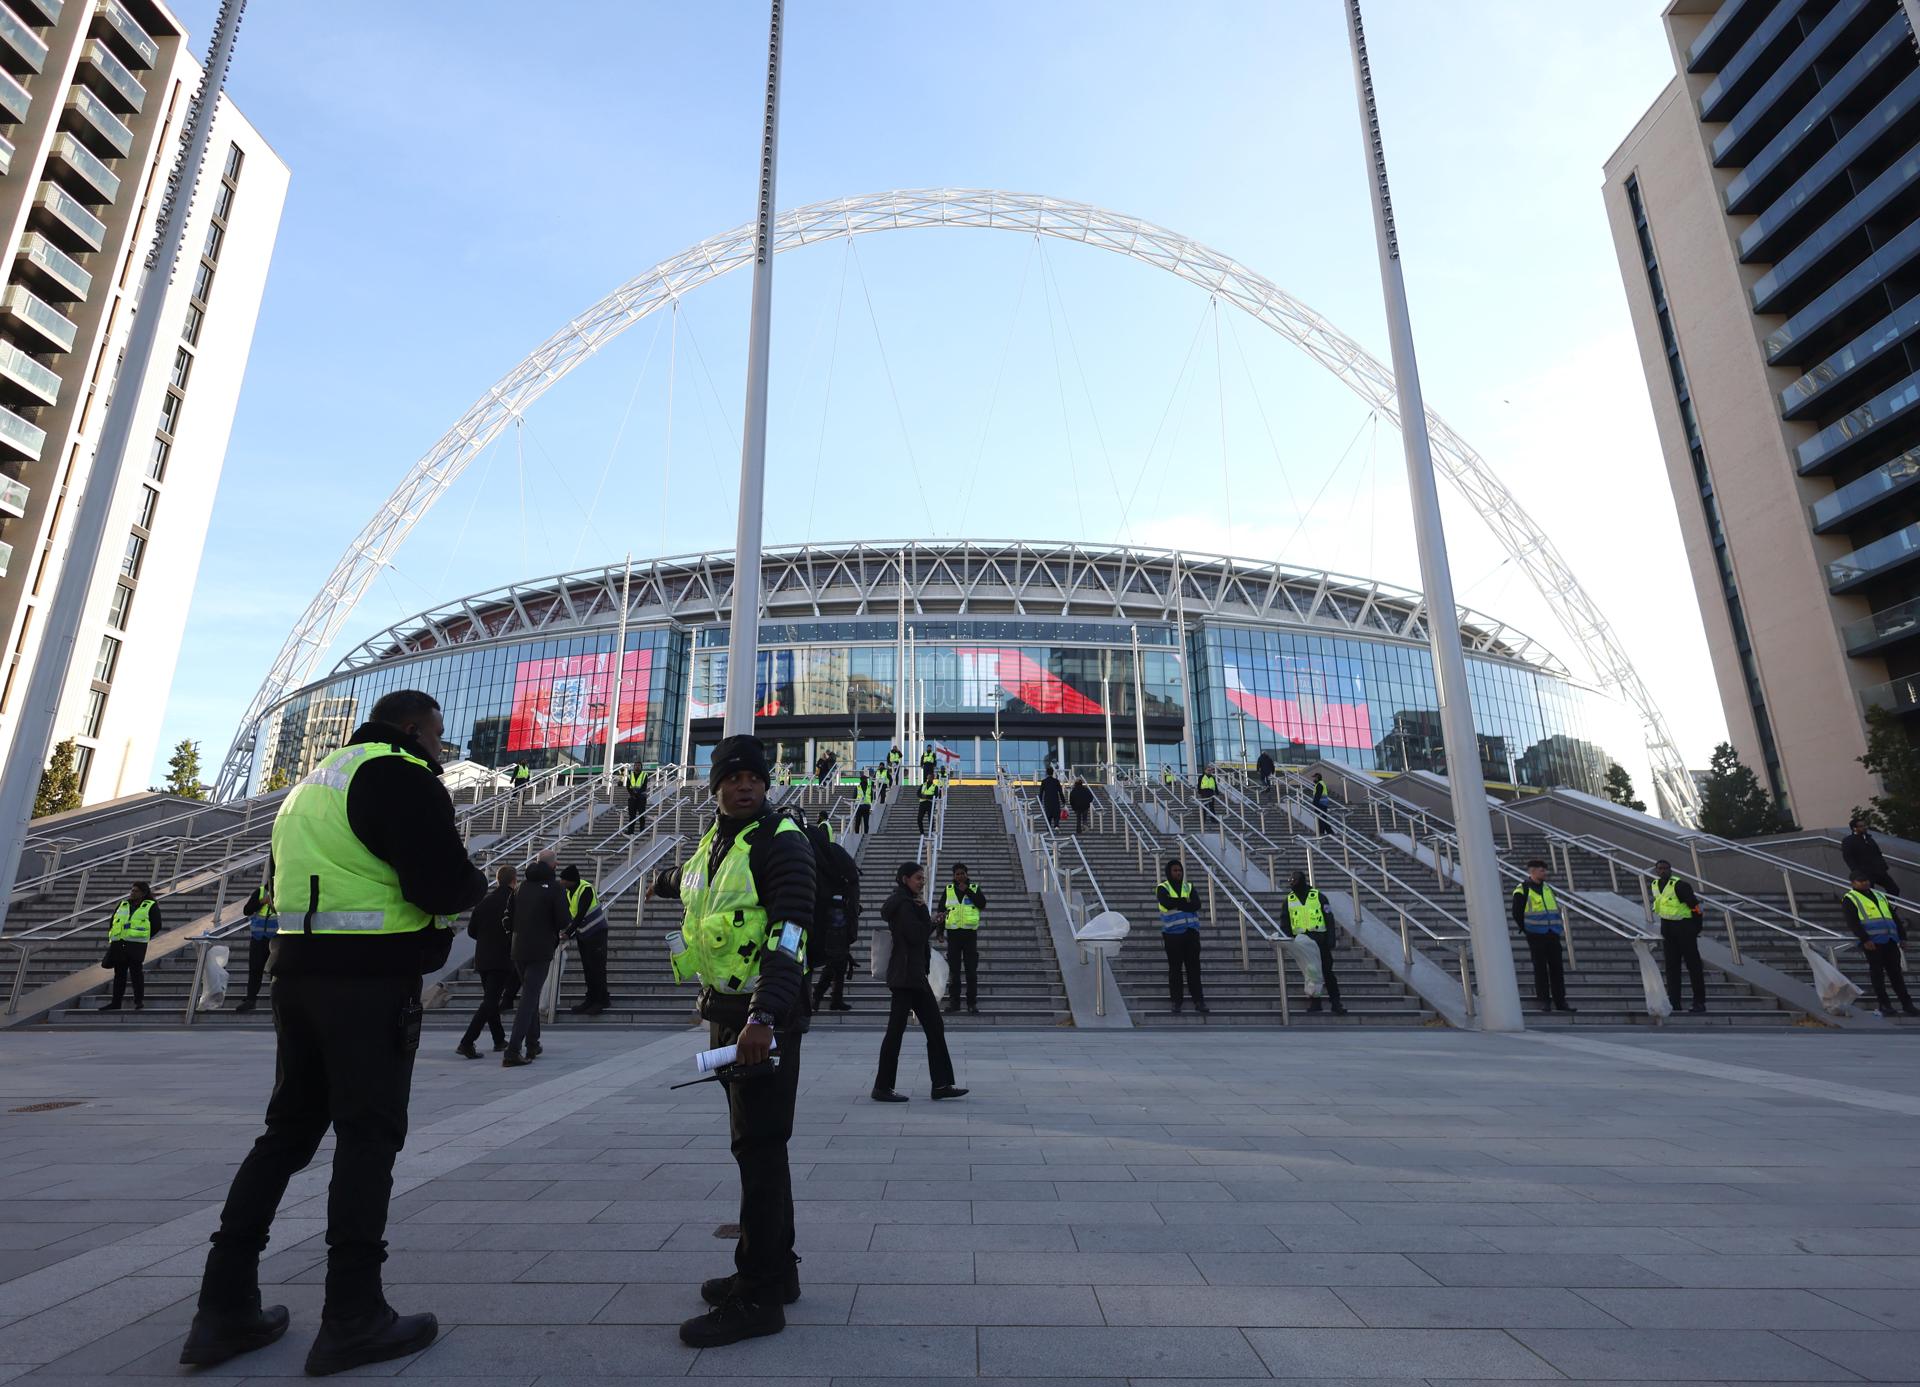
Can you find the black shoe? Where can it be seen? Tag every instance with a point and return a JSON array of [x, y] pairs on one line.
[[108, 1006], [721, 1289], [343, 1344], [1313, 1004], [1562, 1006], [973, 1009], [1698, 1009], [1203, 1008], [1176, 1008], [535, 1049], [595, 1009], [730, 1323], [513, 1059], [215, 1338], [949, 1007], [498, 1046], [578, 1007], [948, 1091], [1339, 1010], [839, 1006], [139, 1006], [888, 1095], [466, 1051], [244, 1007]]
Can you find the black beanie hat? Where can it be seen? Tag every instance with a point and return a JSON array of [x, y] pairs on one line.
[[741, 753]]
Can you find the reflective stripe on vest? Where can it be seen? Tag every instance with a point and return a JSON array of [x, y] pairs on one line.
[[134, 923], [725, 931], [1543, 911], [334, 884], [961, 914], [1306, 917], [1667, 903], [1875, 916], [636, 780], [1182, 916]]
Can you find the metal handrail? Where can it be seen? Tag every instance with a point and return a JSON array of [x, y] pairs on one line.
[[1784, 866]]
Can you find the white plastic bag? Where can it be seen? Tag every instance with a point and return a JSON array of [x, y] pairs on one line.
[[213, 979], [1306, 953], [1837, 994], [937, 973], [882, 954], [1659, 1005]]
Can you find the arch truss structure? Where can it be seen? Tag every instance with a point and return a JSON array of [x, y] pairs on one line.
[[1030, 214]]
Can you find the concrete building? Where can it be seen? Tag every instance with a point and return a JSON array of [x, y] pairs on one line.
[[1766, 212], [93, 94]]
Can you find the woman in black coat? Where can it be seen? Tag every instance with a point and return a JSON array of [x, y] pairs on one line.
[[911, 925], [540, 920], [490, 929]]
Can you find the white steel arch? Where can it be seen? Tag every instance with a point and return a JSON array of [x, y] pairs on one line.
[[1356, 368]]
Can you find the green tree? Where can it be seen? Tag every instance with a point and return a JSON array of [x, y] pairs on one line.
[[1892, 756], [59, 784], [183, 771], [280, 779], [1734, 804], [1619, 788]]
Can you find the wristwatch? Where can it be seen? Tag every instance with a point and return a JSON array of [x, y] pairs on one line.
[[759, 1018]]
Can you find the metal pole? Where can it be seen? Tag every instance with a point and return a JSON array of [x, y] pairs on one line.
[[1186, 678], [743, 640], [1139, 704], [1493, 953], [900, 659], [60, 631], [619, 667], [1106, 702]]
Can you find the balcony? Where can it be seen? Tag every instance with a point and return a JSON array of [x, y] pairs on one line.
[[91, 118], [6, 558], [1759, 119], [1870, 561], [14, 496], [59, 208], [1896, 696], [26, 309], [22, 439], [1729, 27], [1843, 228], [6, 155], [1838, 438], [1746, 69], [135, 42], [50, 9], [52, 269], [1862, 493], [15, 101], [87, 173], [115, 79], [1801, 334], [20, 48], [39, 384], [1882, 629]]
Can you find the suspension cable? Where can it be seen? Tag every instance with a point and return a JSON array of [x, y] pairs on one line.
[[666, 465], [1220, 389], [619, 433], [886, 365], [1146, 463], [1286, 484], [1073, 345], [993, 397], [826, 395], [1066, 422], [1372, 418]]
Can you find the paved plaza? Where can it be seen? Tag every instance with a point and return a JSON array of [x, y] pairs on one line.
[[1411, 1207]]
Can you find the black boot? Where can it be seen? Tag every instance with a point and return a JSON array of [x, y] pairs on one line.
[[466, 1051], [215, 1337], [720, 1289], [373, 1338], [737, 1319]]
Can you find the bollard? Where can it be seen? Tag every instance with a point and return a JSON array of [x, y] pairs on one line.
[[1566, 933], [1280, 968], [1406, 943], [80, 891], [1246, 965], [1733, 940], [1786, 879], [1466, 980]]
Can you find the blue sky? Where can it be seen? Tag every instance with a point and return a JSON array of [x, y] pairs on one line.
[[468, 175]]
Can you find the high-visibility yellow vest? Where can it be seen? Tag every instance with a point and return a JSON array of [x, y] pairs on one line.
[[1306, 917], [893, 757], [334, 884], [928, 790], [1875, 914], [636, 779], [1667, 903], [961, 914], [1166, 775], [864, 793], [1182, 893], [725, 932], [1542, 910], [1206, 784], [132, 922], [522, 773], [583, 891]]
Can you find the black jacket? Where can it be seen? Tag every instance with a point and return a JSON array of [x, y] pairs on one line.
[[912, 927], [402, 814], [1051, 795], [784, 877], [1265, 765], [539, 916], [489, 928], [1863, 856], [1081, 799]]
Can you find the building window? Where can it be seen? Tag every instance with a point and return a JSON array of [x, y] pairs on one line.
[[203, 281], [83, 763], [157, 462], [234, 160], [130, 561], [96, 710], [119, 605], [223, 201], [190, 329], [212, 248], [106, 661], [182, 367], [170, 412], [149, 498]]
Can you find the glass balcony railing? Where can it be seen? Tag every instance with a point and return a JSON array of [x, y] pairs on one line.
[[6, 155], [1732, 79], [25, 439], [1888, 479], [1798, 63], [139, 43], [1832, 166], [93, 116], [56, 264], [6, 558], [18, 36], [50, 9], [15, 101], [14, 496], [1815, 117], [1717, 28], [37, 313], [117, 75], [29, 374], [1882, 628], [1873, 199], [66, 211], [90, 167], [1845, 291], [1871, 560], [1893, 403], [1896, 696]]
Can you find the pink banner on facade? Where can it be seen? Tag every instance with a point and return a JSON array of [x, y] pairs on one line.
[[564, 702]]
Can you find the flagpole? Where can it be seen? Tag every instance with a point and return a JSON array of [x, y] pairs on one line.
[[619, 666]]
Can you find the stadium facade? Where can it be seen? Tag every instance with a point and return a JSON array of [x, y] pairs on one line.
[[1023, 651]]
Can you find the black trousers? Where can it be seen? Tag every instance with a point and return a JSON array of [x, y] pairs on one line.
[[963, 948], [341, 1060], [636, 813], [881, 791], [833, 977], [862, 814], [926, 809], [1549, 969], [1080, 820], [926, 775], [526, 1017], [257, 951], [760, 1123], [1183, 957], [493, 990], [1680, 943], [922, 1003], [593, 963], [1323, 940], [1883, 962], [129, 962], [1051, 813]]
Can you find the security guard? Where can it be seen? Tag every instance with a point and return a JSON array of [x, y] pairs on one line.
[[590, 938], [1881, 932], [636, 798], [1537, 913], [929, 792], [1180, 935], [521, 775], [929, 762], [1307, 914], [894, 758], [1209, 790], [1322, 803], [882, 779], [748, 893], [960, 917], [1166, 775], [1679, 912], [262, 925], [862, 802], [369, 868], [133, 923]]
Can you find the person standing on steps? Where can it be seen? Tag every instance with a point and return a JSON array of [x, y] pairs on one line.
[[588, 928], [836, 916], [1881, 932], [492, 960], [1180, 936], [929, 763], [1081, 802], [960, 917], [521, 776], [1167, 778], [928, 793], [261, 927], [1537, 912], [1864, 859], [1322, 803], [748, 891], [369, 866], [894, 759], [540, 922], [1307, 914], [911, 926], [1209, 788], [1051, 798], [883, 781], [1265, 767], [134, 921], [636, 798], [863, 803], [1680, 925]]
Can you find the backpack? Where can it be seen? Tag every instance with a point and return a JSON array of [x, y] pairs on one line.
[[836, 898]]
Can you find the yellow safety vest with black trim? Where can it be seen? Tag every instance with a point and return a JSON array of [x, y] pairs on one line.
[[1667, 903], [1876, 916], [132, 922], [863, 794], [583, 891], [636, 779], [1206, 784], [1306, 917], [929, 790], [334, 885], [1542, 913], [521, 774], [1166, 775], [893, 757], [961, 914], [725, 932], [1182, 917]]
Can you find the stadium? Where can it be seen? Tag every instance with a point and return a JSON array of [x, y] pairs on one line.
[[1022, 652]]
